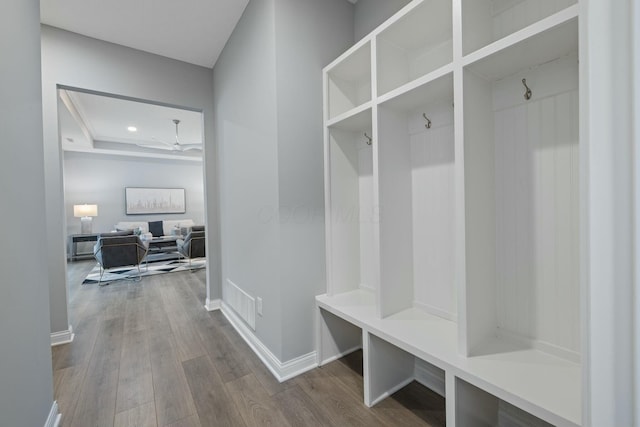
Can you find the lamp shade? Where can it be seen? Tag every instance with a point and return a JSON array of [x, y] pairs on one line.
[[80, 211]]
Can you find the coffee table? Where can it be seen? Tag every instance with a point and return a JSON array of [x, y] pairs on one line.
[[162, 248]]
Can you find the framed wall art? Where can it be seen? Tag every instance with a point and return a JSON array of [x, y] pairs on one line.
[[144, 201]]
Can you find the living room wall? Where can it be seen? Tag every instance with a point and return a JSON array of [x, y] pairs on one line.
[[76, 61], [101, 180]]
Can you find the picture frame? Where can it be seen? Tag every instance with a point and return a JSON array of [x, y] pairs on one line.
[[145, 201]]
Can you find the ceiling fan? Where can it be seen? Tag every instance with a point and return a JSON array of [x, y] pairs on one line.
[[176, 146]]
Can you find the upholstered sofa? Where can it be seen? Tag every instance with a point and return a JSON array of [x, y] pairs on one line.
[[169, 227]]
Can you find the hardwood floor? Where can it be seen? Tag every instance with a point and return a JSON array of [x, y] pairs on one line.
[[147, 354]]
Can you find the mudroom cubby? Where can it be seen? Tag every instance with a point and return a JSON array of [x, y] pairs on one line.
[[351, 215], [477, 408], [522, 158], [416, 185], [348, 84], [464, 255], [487, 21], [415, 45], [389, 368], [336, 337]]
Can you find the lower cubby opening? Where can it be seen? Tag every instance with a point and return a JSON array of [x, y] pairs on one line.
[[412, 405], [477, 408], [336, 337], [395, 384], [390, 371]]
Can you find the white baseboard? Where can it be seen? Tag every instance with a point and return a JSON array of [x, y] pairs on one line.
[[62, 337], [53, 420], [281, 370], [212, 304]]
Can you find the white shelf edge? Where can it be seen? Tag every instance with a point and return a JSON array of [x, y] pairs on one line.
[[539, 27], [324, 302], [420, 81], [395, 17], [414, 348], [348, 114], [327, 69]]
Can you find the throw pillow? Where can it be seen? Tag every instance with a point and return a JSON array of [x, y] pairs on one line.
[[155, 228]]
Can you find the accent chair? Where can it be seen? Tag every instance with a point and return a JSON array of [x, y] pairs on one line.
[[119, 250], [193, 245]]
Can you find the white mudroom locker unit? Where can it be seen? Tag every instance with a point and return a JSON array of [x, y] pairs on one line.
[[452, 190]]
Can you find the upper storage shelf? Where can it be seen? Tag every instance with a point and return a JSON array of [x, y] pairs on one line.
[[417, 43], [557, 38], [349, 81], [486, 21]]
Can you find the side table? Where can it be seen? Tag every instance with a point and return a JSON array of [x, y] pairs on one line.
[[78, 238]]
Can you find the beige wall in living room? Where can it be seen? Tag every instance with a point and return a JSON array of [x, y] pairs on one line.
[[101, 179]]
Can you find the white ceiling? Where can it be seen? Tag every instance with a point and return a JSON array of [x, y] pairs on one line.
[[98, 124], [193, 31]]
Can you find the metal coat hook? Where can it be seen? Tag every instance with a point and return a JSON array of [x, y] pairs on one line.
[[527, 94], [428, 125], [369, 140]]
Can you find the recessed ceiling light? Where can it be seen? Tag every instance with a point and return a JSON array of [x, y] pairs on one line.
[[132, 129]]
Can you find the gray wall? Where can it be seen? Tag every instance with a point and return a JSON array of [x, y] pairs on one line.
[[246, 131], [100, 179], [26, 384], [309, 35], [268, 103], [81, 62], [371, 13]]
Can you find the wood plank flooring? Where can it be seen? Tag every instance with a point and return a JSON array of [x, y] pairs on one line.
[[147, 354]]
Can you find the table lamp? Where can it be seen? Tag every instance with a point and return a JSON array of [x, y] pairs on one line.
[[85, 212]]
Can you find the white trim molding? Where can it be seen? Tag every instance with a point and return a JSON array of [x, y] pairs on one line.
[[62, 337], [53, 420], [608, 253], [212, 304], [281, 370]]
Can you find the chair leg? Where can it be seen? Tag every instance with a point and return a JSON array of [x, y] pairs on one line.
[[100, 279], [191, 267], [139, 278]]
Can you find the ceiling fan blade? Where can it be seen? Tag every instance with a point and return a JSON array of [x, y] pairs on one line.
[[168, 144], [156, 147]]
